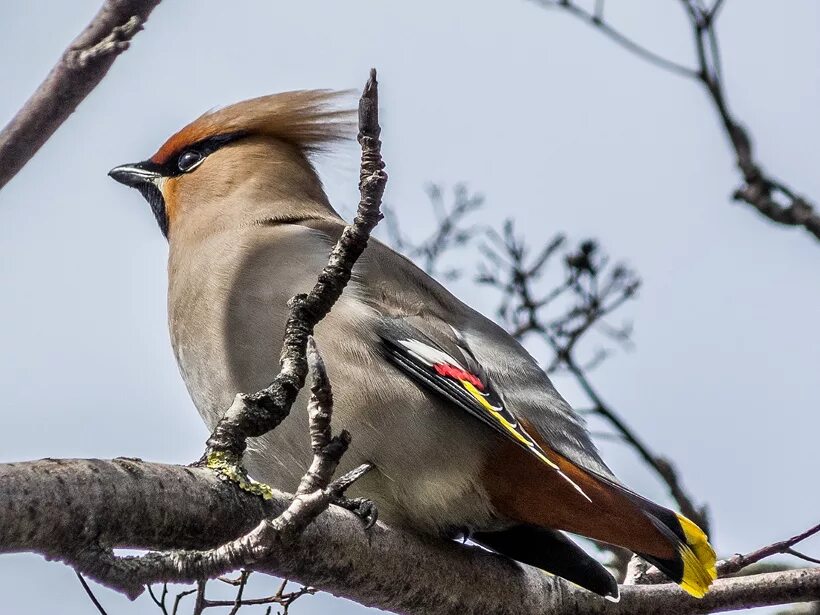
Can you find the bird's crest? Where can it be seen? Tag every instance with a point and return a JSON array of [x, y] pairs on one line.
[[308, 119]]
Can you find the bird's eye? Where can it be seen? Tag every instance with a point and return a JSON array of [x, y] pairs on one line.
[[189, 160]]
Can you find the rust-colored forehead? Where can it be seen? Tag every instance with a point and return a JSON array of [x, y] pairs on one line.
[[305, 118], [193, 133]]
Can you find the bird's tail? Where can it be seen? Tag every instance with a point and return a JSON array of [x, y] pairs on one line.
[[693, 568], [693, 564], [606, 511]]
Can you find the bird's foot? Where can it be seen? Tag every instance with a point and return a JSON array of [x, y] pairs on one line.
[[363, 508]]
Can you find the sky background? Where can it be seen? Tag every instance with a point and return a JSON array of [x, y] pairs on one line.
[[556, 126]]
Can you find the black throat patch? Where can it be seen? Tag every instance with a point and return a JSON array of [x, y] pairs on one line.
[[153, 195]]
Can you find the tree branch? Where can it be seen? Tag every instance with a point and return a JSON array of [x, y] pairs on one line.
[[255, 414], [82, 67], [313, 496], [596, 19], [451, 231], [739, 562], [770, 196], [136, 504]]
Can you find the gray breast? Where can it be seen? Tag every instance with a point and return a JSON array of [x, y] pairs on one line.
[[227, 317]]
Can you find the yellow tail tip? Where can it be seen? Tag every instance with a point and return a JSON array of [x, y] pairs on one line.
[[698, 559]]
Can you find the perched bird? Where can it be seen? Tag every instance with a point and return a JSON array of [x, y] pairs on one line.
[[466, 432]]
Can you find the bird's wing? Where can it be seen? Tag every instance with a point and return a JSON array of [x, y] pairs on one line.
[[455, 352], [530, 394], [408, 298], [457, 376], [553, 552]]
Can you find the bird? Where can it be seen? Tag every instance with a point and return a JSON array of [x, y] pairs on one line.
[[466, 434]]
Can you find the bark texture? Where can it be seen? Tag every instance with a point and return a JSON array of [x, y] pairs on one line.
[[132, 503]]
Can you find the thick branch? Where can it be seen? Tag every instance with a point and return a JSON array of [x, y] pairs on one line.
[[82, 67], [313, 496], [131, 503]]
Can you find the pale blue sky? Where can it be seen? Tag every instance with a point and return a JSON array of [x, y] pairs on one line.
[[555, 125]]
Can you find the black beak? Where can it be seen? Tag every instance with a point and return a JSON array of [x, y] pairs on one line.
[[143, 176], [135, 175]]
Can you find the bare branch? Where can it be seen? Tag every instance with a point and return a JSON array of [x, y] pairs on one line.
[[451, 231], [725, 594], [130, 503], [281, 598], [258, 413], [82, 67], [738, 562], [803, 556], [91, 595], [179, 598], [770, 196], [596, 20], [313, 496], [160, 602]]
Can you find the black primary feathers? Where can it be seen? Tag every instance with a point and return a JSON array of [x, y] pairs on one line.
[[553, 552]]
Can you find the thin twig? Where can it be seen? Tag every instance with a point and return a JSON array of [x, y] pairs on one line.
[[160, 602], [770, 196], [279, 598], [449, 233], [256, 414], [803, 556], [243, 581], [619, 38], [179, 598], [736, 563], [199, 604], [229, 581], [91, 594]]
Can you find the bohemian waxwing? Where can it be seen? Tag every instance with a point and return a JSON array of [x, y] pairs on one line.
[[466, 432]]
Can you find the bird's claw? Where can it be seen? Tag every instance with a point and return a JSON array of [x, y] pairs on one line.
[[363, 508]]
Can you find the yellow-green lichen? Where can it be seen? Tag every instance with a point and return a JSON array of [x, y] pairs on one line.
[[229, 467]]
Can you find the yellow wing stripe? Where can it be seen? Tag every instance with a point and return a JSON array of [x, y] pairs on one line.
[[507, 425]]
